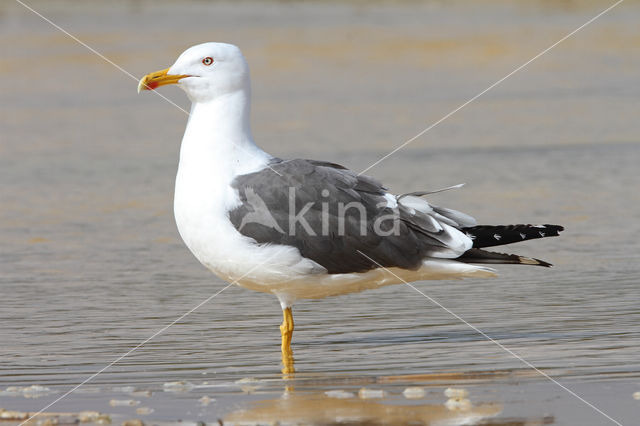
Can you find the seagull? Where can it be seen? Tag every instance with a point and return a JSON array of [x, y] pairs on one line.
[[305, 229]]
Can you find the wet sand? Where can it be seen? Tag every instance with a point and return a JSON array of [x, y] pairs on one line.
[[92, 264]]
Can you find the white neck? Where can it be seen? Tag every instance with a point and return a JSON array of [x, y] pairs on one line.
[[217, 146], [218, 142]]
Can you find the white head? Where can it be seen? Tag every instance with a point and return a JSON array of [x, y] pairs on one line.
[[205, 72]]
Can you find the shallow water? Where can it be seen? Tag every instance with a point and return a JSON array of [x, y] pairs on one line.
[[92, 264]]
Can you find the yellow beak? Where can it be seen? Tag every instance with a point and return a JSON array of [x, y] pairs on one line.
[[157, 79]]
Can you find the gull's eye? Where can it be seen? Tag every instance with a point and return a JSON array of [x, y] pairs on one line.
[[207, 61]]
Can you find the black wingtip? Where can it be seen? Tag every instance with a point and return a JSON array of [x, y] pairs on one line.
[[534, 261], [554, 229], [476, 255], [498, 235]]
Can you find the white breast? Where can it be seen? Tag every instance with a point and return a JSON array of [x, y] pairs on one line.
[[203, 198]]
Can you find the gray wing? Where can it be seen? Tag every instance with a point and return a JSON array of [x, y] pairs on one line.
[[333, 216]]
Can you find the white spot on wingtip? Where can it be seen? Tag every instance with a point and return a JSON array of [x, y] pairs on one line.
[[542, 234], [523, 236], [497, 236]]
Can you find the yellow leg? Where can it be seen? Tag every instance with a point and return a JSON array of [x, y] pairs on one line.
[[286, 330]]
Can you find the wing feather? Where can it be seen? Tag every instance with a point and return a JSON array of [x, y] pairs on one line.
[[344, 214]]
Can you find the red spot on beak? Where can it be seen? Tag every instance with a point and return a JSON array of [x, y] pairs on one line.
[[152, 85]]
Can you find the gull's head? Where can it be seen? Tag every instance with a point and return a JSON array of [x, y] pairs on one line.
[[205, 72]]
